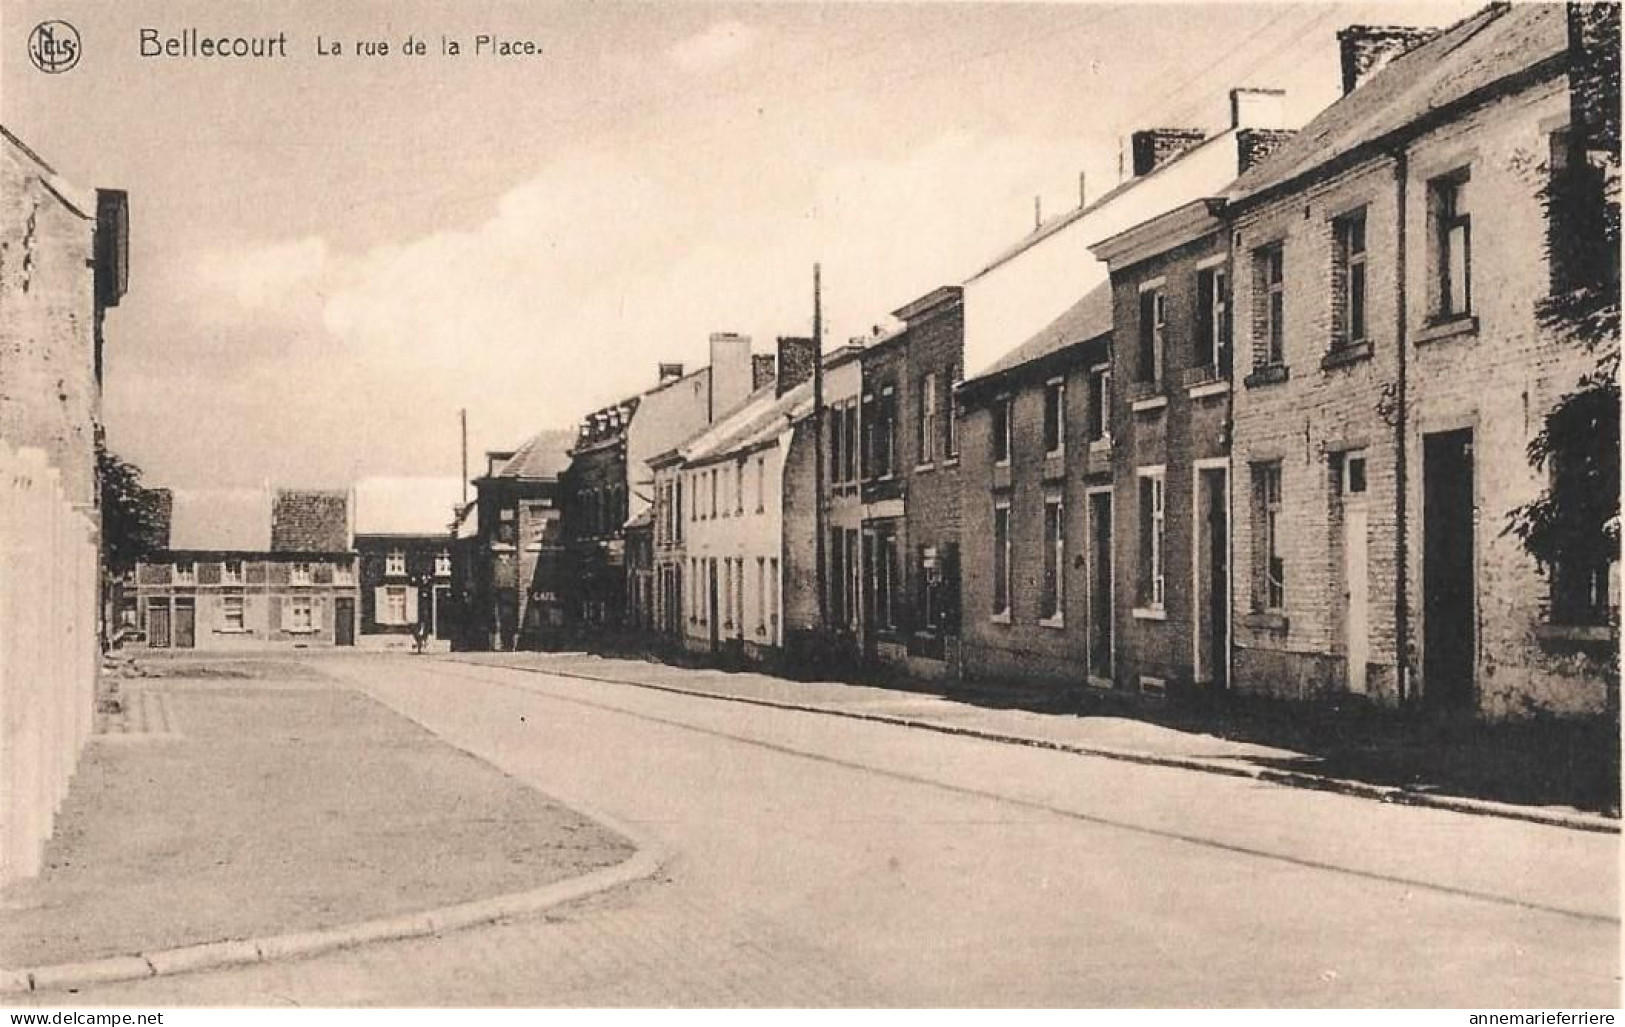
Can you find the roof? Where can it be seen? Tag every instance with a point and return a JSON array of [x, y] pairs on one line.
[[1089, 318], [310, 521], [761, 422], [406, 506], [917, 309], [544, 455], [1500, 42], [1183, 224], [1049, 228], [224, 520]]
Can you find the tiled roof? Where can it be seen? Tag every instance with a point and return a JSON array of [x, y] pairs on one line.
[[225, 520], [544, 455], [1496, 43], [406, 506], [1086, 319], [310, 521]]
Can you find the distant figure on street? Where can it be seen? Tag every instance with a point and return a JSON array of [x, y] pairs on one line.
[[420, 636]]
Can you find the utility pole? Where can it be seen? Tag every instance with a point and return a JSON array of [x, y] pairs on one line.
[[462, 416], [818, 449]]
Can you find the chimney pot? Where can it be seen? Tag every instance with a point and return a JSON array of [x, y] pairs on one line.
[[1083, 191]]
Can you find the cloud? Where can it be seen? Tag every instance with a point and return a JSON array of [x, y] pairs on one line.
[[260, 276], [720, 45]]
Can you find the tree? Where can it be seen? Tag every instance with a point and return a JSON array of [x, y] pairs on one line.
[[134, 518], [1573, 526]]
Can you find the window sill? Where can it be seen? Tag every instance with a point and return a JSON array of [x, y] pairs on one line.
[[1000, 618], [1438, 328], [1344, 354], [1218, 387], [1141, 406], [952, 461], [300, 631], [1574, 632], [1096, 681], [1053, 623], [1150, 613], [1269, 374], [1266, 621], [1101, 445], [927, 466], [232, 631], [1005, 463]]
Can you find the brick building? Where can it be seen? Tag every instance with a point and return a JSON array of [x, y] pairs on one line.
[[507, 557], [1388, 266], [403, 552], [884, 453], [245, 569], [1036, 465], [1170, 449], [596, 498], [840, 637]]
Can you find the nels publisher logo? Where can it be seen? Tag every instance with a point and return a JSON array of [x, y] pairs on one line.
[[54, 47]]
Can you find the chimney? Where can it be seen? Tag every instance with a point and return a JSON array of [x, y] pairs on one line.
[[1254, 144], [1038, 213], [796, 361], [730, 372], [1154, 147], [1083, 192], [669, 373], [495, 458], [1258, 108], [1365, 49], [763, 370]]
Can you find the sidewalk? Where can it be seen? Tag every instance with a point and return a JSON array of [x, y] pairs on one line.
[[1556, 774], [257, 799]]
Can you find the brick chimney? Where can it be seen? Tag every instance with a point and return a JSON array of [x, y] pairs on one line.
[[669, 373], [764, 370], [1365, 49], [1154, 147], [1254, 144], [730, 372], [796, 361]]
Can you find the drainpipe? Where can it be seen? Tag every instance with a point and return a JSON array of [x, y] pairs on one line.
[[1402, 634]]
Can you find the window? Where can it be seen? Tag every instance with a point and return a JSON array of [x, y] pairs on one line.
[[231, 613], [1001, 430], [1001, 558], [300, 615], [1055, 416], [1213, 320], [1150, 592], [837, 444], [185, 572], [1452, 246], [231, 572], [925, 435], [677, 503], [300, 574], [851, 435], [442, 564], [1269, 569], [761, 595], [1269, 305], [394, 605], [344, 572], [1054, 594], [1577, 245], [761, 484], [1100, 403], [395, 562], [1348, 279], [1153, 322], [1352, 478], [885, 435], [739, 487], [773, 595], [950, 420], [713, 492]]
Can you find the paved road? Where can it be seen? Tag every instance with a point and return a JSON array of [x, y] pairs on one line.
[[822, 861]]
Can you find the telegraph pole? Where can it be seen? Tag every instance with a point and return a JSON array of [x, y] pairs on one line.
[[462, 417], [818, 449]]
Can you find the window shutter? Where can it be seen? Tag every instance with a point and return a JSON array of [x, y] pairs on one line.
[[276, 613], [411, 606], [380, 605]]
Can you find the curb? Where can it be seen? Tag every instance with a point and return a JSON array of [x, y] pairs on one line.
[[1394, 794], [643, 863]]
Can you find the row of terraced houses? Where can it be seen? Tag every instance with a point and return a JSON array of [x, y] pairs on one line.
[[1253, 420]]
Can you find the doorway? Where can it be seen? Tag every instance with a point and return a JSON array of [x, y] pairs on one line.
[[1211, 589], [185, 623], [343, 620], [1100, 585], [715, 623], [1356, 570], [158, 623], [1449, 621]]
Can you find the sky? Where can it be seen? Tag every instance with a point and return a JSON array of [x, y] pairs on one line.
[[334, 253]]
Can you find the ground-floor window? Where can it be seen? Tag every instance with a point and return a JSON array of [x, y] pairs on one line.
[[231, 613], [1001, 557], [301, 616], [1050, 602], [1152, 482]]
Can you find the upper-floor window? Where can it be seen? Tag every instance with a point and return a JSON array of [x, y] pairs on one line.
[[344, 572], [1100, 403], [1153, 324], [1349, 279], [185, 572], [1055, 415], [739, 486], [677, 510], [1452, 245], [713, 492], [442, 564], [950, 418], [1000, 411], [395, 562], [1213, 320], [1269, 305], [836, 430], [299, 573], [880, 428], [851, 456], [761, 484], [925, 433], [231, 572]]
